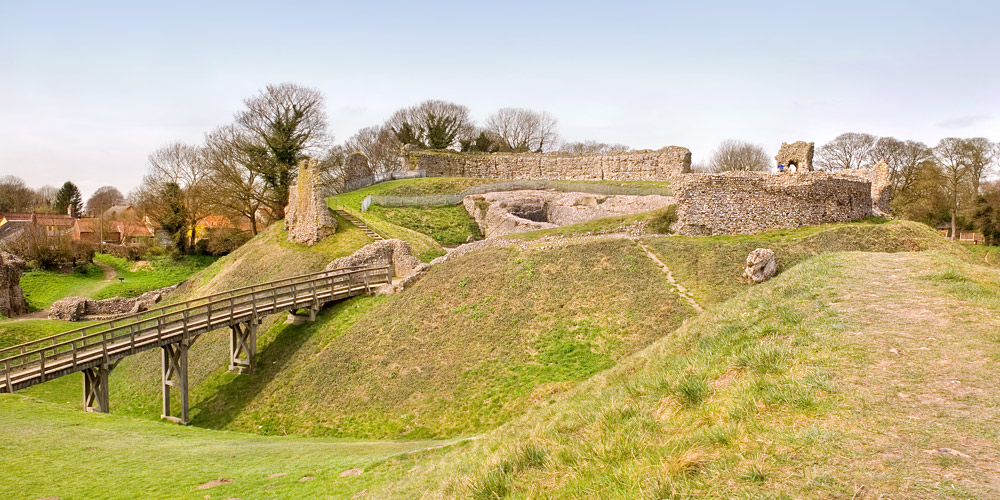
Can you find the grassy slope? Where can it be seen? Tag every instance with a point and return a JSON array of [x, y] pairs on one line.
[[42, 288], [830, 381], [50, 451], [162, 272], [710, 267], [809, 386], [469, 346], [657, 222]]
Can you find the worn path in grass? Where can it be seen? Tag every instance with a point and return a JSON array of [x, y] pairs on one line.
[[927, 412], [670, 277]]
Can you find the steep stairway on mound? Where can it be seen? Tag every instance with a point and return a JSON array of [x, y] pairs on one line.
[[357, 222]]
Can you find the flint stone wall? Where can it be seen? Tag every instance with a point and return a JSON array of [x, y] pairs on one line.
[[12, 301], [751, 202], [645, 165], [799, 153], [307, 218], [79, 308], [394, 252]]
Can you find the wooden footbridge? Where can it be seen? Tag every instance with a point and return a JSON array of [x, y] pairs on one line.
[[97, 349]]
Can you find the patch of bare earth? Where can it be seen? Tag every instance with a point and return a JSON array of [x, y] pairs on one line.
[[922, 379]]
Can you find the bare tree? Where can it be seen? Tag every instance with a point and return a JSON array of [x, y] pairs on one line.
[[284, 123], [846, 151], [104, 198], [236, 184], [45, 197], [734, 154], [593, 147], [15, 195], [184, 166], [432, 124], [380, 145], [521, 130], [950, 156], [980, 154], [903, 157]]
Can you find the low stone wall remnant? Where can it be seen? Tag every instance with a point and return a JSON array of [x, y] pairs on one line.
[[750, 202], [82, 308], [645, 165], [396, 253]]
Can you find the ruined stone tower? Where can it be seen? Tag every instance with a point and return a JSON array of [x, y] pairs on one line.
[[307, 218], [799, 154]]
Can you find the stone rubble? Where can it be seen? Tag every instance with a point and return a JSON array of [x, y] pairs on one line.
[[12, 302], [760, 266], [307, 218]]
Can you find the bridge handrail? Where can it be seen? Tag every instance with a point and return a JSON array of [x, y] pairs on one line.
[[160, 314]]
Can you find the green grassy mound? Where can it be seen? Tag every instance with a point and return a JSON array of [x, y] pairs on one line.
[[843, 377], [837, 379], [656, 222], [270, 256], [710, 267], [42, 288], [468, 347]]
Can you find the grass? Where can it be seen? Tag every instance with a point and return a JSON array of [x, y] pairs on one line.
[[447, 224], [654, 222], [473, 344], [20, 331], [42, 288], [786, 391], [54, 452], [270, 256], [711, 266], [160, 272]]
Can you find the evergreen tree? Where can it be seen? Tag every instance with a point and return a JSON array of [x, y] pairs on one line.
[[441, 131], [406, 134], [69, 200], [172, 214]]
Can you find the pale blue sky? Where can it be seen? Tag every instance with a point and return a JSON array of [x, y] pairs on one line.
[[88, 89]]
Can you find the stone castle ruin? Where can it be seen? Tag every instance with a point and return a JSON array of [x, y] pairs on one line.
[[725, 203], [796, 157], [307, 218], [645, 165], [12, 301]]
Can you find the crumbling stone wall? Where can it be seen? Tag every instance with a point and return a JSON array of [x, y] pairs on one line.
[[394, 252], [80, 308], [750, 202], [798, 153], [663, 164], [307, 218], [12, 301]]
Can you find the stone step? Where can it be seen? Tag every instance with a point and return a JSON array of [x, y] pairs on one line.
[[361, 225]]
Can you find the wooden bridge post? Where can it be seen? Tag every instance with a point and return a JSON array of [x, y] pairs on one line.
[[175, 374], [96, 395], [243, 346]]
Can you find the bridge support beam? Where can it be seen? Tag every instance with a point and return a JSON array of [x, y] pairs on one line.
[[243, 347], [175, 374], [96, 396]]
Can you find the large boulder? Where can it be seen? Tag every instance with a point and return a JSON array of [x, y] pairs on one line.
[[12, 301], [760, 266]]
